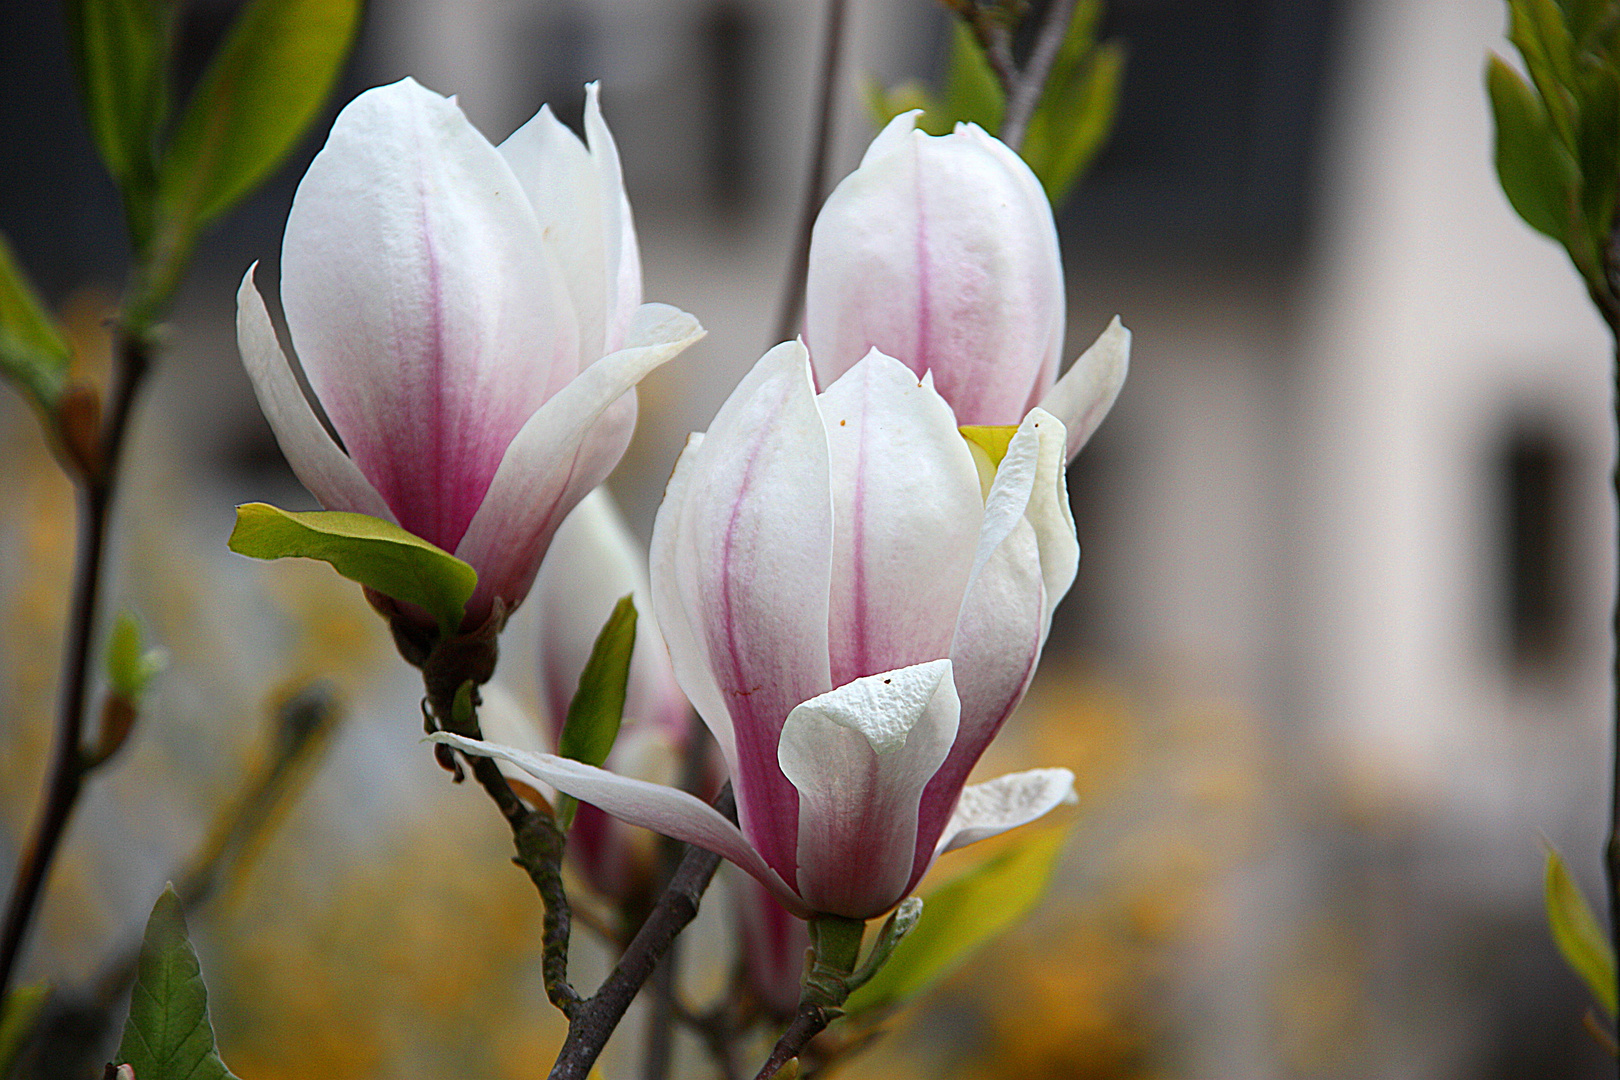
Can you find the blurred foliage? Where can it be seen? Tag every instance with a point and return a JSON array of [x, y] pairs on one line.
[[1558, 135], [1578, 934], [17, 1015], [33, 353], [168, 1035], [1071, 122]]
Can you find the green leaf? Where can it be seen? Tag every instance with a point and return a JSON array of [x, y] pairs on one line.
[[129, 667], [1599, 148], [17, 1018], [1578, 935], [959, 918], [1074, 120], [256, 100], [1538, 29], [121, 51], [1536, 171], [972, 94], [33, 353], [598, 706], [168, 1036], [378, 554]]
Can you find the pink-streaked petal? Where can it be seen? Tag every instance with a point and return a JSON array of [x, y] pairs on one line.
[[742, 553], [1027, 557], [907, 510], [1090, 387], [942, 253], [995, 806], [557, 457], [593, 561], [422, 302], [329, 474], [666, 810], [860, 756]]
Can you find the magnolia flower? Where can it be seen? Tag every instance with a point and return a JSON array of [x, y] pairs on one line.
[[854, 617], [470, 318], [941, 252]]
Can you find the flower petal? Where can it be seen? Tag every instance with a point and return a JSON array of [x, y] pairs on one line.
[[578, 197], [329, 474], [942, 252], [993, 807], [554, 460], [1027, 558], [741, 564], [1091, 385], [860, 756], [907, 509], [593, 561], [422, 302], [652, 806]]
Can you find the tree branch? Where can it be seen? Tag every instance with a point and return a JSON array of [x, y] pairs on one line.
[[1025, 85]]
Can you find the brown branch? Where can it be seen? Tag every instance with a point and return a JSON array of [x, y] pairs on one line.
[[98, 485], [1025, 87]]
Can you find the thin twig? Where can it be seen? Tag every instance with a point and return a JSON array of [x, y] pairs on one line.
[[816, 183], [1024, 90], [811, 1020], [595, 1018], [98, 484]]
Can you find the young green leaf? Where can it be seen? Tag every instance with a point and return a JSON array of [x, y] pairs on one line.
[[129, 666], [960, 917], [121, 51], [17, 1018], [32, 352], [255, 102], [1578, 935], [168, 1035], [1536, 170], [378, 554], [597, 710], [1074, 120]]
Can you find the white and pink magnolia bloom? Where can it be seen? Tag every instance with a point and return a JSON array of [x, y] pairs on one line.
[[941, 251], [854, 613], [470, 318]]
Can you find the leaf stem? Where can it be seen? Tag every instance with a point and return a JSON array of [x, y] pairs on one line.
[[816, 182], [97, 482]]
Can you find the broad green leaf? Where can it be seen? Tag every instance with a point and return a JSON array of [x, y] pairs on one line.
[[598, 706], [129, 666], [121, 51], [1538, 29], [33, 353], [255, 102], [378, 554], [972, 93], [1599, 147], [1536, 171], [17, 1018], [886, 104], [1578, 935], [168, 1036], [1073, 122], [959, 918]]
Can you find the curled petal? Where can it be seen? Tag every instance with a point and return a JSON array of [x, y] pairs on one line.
[[552, 462], [1091, 385], [329, 474], [860, 756], [652, 806], [907, 506], [993, 807], [422, 302], [741, 561]]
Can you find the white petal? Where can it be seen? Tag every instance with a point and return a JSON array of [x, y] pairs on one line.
[[993, 807], [742, 554], [1091, 385], [860, 757], [623, 269], [422, 303], [652, 806], [329, 474], [907, 509], [552, 463]]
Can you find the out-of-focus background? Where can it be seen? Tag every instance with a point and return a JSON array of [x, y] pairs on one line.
[[1335, 669]]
